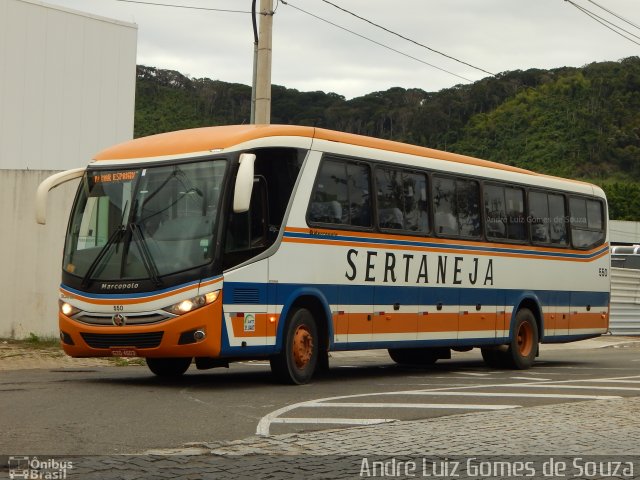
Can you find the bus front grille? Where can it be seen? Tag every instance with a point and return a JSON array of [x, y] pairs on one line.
[[132, 318], [137, 340]]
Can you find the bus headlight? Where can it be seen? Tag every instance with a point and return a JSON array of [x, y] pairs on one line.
[[67, 309], [191, 304]]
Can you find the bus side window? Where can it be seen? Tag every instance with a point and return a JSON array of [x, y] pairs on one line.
[[504, 213], [444, 201], [457, 207], [342, 194], [402, 200], [587, 225], [557, 220], [539, 217], [516, 226], [495, 212]]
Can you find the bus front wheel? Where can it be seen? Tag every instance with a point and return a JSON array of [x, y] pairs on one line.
[[297, 361], [169, 367]]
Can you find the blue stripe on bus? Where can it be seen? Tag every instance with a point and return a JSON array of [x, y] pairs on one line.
[[413, 295], [471, 248]]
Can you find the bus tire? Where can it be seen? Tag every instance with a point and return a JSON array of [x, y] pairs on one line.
[[169, 367], [413, 356], [296, 363], [524, 344]]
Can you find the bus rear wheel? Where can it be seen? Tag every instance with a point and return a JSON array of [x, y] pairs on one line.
[[297, 362], [414, 356], [169, 367], [523, 348]]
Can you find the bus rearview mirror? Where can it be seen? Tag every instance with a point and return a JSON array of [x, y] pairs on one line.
[[244, 183], [49, 184]]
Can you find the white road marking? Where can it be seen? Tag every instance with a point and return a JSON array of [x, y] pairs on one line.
[[531, 379], [275, 416], [581, 387], [474, 374], [335, 421], [435, 406], [510, 394]]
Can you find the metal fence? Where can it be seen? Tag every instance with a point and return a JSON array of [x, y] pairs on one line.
[[625, 301]]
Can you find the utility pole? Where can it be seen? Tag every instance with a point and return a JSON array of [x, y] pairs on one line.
[[261, 92]]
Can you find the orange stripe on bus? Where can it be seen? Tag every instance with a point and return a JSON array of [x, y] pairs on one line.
[[438, 322], [477, 321], [443, 241], [588, 320], [438, 250]]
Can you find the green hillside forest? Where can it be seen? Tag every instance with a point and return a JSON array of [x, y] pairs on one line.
[[581, 123]]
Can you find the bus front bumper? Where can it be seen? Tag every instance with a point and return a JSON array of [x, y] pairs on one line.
[[175, 337]]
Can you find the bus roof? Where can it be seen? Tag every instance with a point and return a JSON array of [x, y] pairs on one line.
[[198, 140]]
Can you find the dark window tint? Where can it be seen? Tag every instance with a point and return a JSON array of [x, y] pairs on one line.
[[587, 222], [457, 207], [547, 218], [539, 217], [557, 219], [402, 200], [504, 211], [342, 194]]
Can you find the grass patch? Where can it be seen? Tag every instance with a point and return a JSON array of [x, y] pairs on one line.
[[126, 361], [35, 342]]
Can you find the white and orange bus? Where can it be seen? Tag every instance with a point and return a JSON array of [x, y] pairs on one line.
[[284, 243]]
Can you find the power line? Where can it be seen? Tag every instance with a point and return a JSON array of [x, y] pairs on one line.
[[374, 41], [611, 26], [184, 6], [406, 38], [614, 14]]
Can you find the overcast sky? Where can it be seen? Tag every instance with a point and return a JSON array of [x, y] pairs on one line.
[[310, 54]]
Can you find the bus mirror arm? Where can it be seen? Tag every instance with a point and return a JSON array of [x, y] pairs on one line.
[[244, 183], [49, 184]]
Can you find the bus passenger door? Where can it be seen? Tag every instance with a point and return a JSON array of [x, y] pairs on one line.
[[249, 299], [438, 314]]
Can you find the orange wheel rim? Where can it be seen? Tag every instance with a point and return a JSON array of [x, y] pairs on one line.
[[525, 339], [302, 346]]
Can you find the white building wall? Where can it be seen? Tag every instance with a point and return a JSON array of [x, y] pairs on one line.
[[67, 85], [67, 90], [621, 231], [31, 254]]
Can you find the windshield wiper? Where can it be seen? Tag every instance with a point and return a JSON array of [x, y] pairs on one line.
[[147, 259], [115, 237]]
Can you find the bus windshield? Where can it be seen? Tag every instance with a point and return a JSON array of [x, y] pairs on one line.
[[144, 222]]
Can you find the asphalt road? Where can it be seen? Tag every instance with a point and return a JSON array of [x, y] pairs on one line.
[[109, 410]]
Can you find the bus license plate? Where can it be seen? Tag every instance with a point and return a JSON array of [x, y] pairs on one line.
[[124, 352]]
